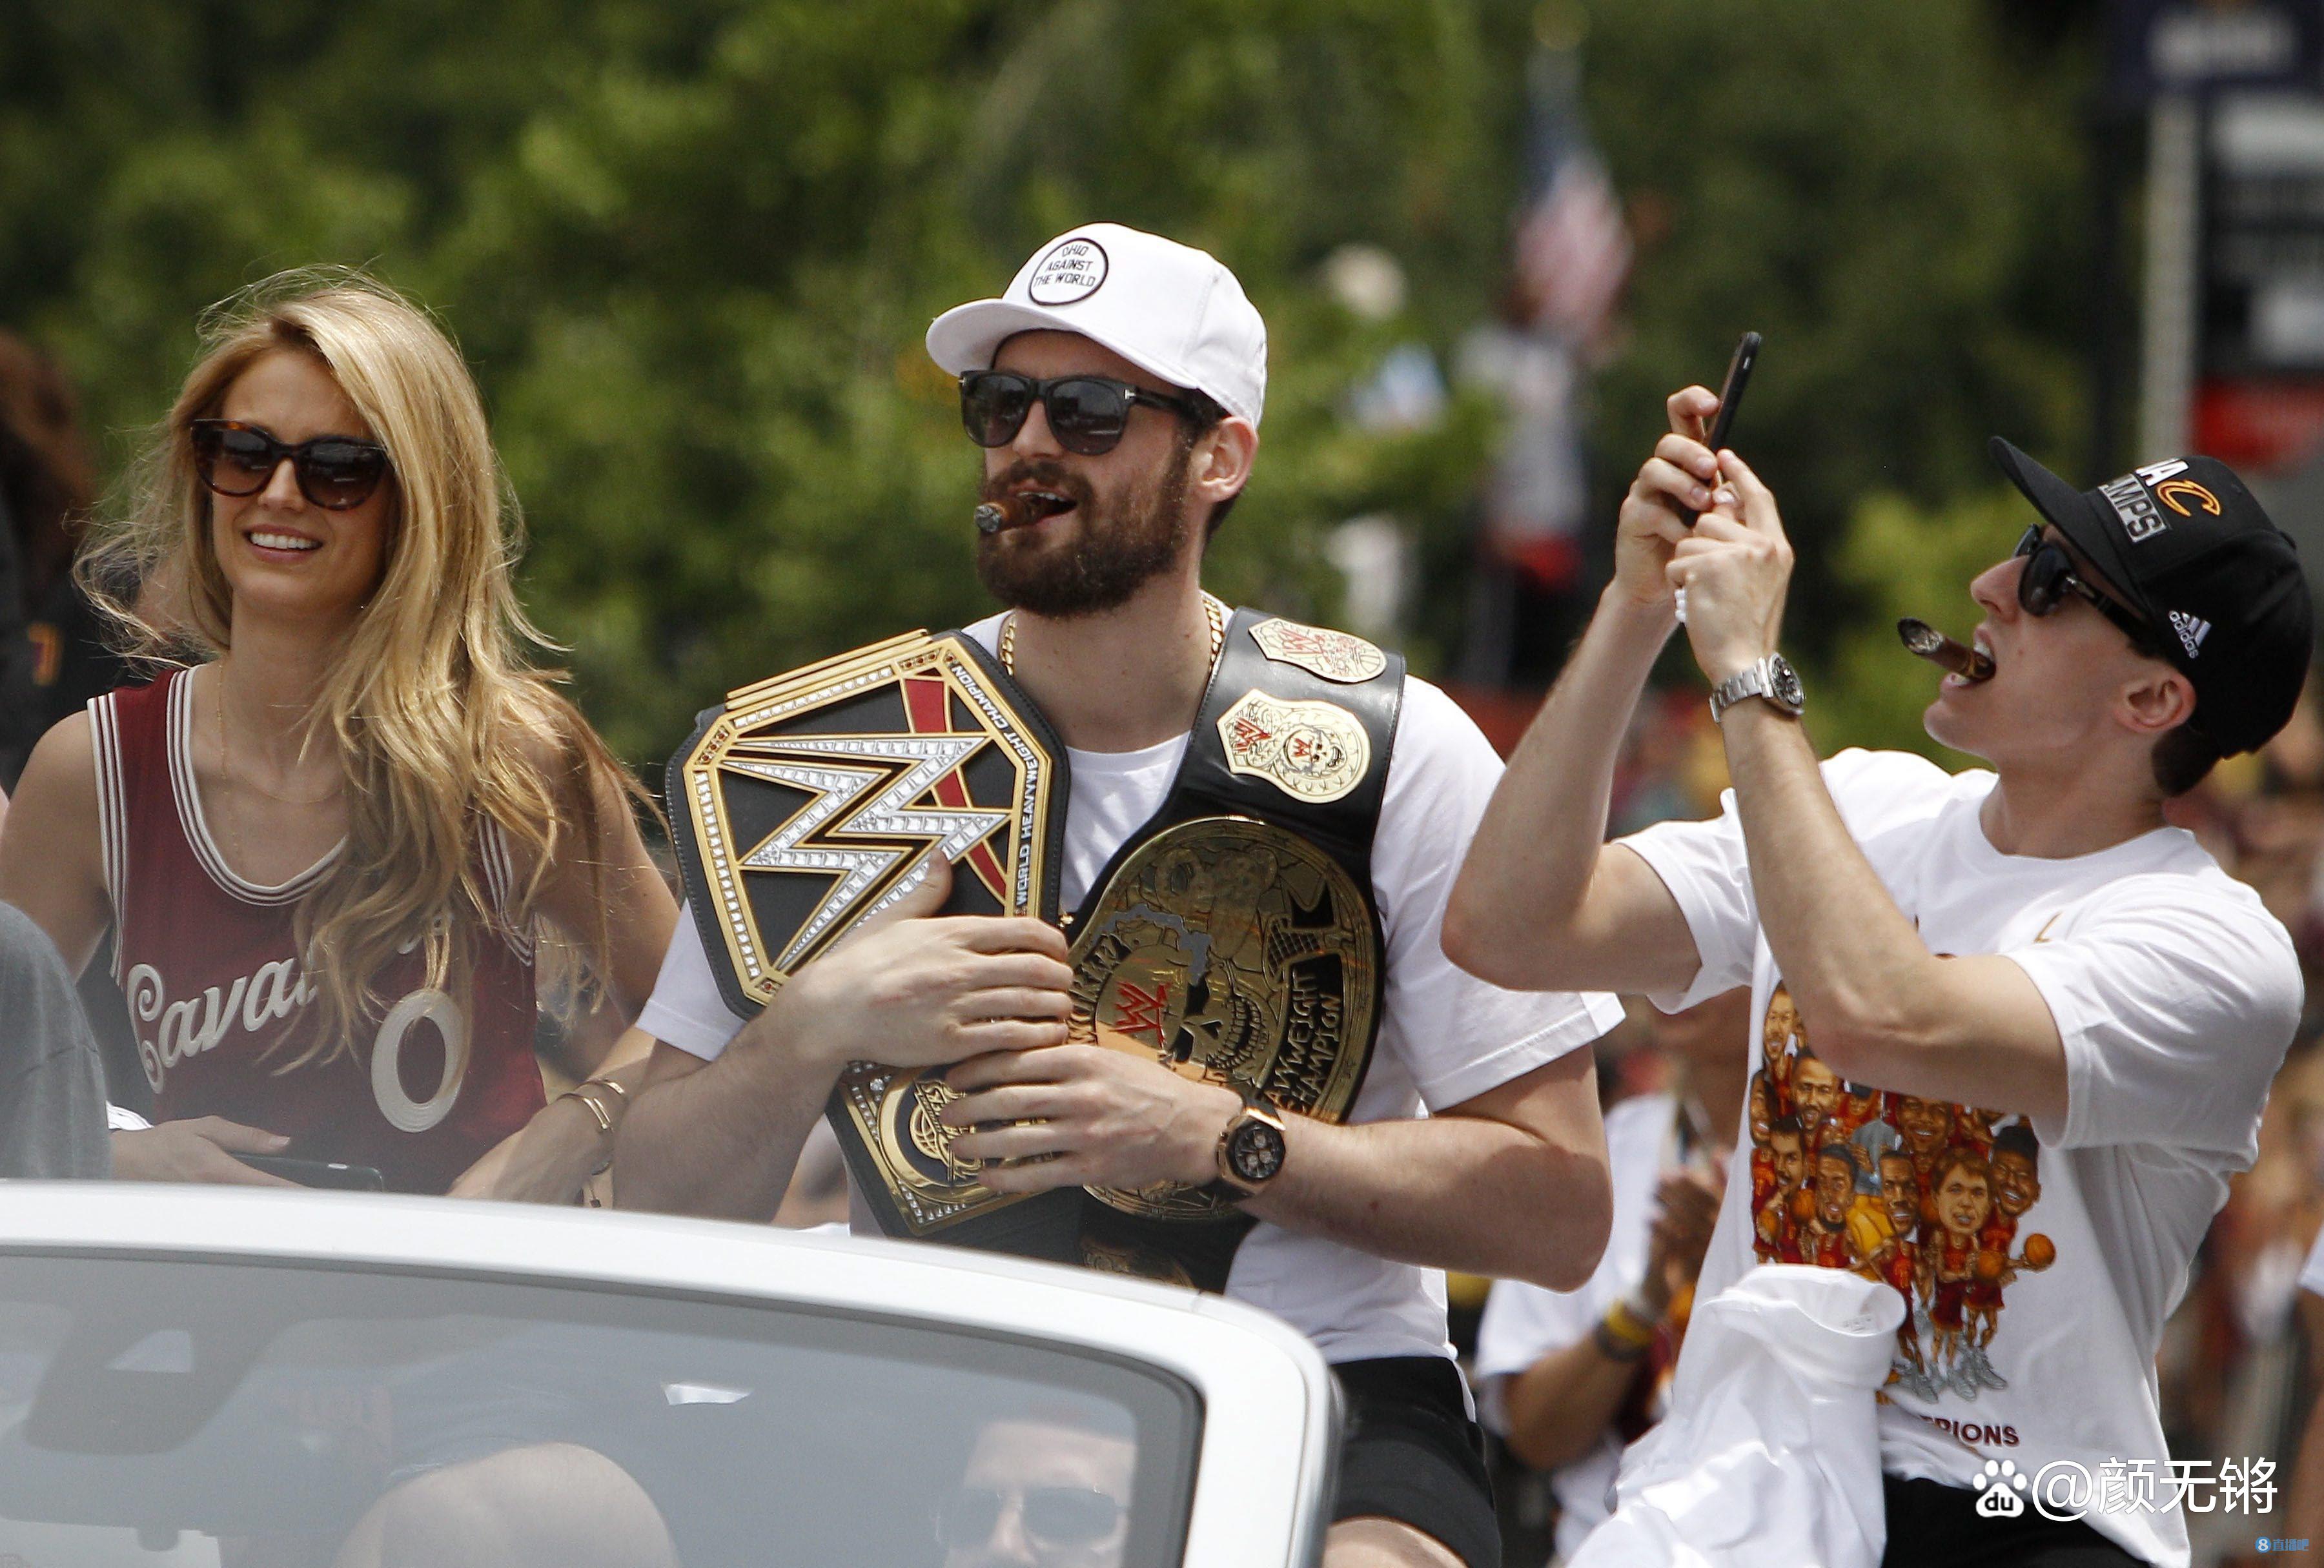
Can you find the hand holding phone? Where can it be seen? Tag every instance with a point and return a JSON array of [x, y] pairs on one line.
[[1722, 423], [1730, 398], [319, 1173]]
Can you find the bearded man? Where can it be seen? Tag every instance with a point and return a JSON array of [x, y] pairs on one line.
[[1115, 390]]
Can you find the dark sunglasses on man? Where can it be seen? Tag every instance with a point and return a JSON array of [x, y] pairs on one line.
[[1055, 1518], [333, 472], [1086, 413], [2049, 576]]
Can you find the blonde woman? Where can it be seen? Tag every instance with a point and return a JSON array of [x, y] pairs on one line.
[[326, 839]]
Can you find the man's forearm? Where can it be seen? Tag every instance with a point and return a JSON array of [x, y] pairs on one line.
[[721, 1142], [1539, 841], [1463, 1192]]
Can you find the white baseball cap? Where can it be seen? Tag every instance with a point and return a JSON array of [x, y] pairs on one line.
[[1169, 308]]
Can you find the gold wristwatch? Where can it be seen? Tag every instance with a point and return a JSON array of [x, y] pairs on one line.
[[1251, 1149]]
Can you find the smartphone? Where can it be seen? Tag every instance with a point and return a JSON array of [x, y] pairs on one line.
[[1730, 398], [319, 1173]]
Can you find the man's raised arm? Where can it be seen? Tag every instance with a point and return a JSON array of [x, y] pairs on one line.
[[1544, 903]]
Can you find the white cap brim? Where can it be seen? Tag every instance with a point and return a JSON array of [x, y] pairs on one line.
[[966, 338]]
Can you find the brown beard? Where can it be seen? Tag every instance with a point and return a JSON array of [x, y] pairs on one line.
[[1126, 541]]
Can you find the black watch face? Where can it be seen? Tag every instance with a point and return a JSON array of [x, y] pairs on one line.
[[1255, 1152], [1788, 691]]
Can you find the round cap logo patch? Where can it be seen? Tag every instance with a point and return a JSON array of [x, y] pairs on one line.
[[1072, 272]]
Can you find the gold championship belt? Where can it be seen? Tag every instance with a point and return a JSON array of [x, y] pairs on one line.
[[1232, 938], [810, 802], [1236, 953]]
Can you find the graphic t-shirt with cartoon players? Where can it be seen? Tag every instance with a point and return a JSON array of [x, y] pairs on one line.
[[2037, 1262]]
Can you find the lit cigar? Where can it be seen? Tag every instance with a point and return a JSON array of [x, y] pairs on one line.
[[1020, 508], [1937, 648]]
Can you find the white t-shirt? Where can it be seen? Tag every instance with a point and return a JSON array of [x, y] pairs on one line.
[[2312, 1272], [1445, 1037], [1524, 1323], [2041, 1259]]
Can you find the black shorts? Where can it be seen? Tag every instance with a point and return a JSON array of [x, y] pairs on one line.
[[1413, 1454], [1931, 1524]]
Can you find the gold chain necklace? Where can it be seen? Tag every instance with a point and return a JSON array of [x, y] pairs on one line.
[[1214, 612]]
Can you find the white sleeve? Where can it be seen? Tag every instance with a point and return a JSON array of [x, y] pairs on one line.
[[1703, 865], [686, 1008], [2176, 1002], [2311, 1272], [1460, 1035]]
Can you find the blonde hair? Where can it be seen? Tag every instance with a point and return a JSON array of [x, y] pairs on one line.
[[432, 693]]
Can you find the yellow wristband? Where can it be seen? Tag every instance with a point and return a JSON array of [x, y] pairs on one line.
[[1628, 1326]]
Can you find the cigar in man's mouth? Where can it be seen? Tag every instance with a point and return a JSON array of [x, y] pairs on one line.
[[1969, 663], [1018, 508]]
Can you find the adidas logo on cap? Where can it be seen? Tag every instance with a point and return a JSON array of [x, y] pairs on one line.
[[2191, 632]]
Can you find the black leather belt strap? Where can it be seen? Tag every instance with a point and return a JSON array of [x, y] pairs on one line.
[[1209, 785]]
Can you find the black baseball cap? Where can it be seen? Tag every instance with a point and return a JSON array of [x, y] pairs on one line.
[[2183, 543]]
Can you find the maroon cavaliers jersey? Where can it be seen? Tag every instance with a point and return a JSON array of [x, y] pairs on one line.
[[222, 1006]]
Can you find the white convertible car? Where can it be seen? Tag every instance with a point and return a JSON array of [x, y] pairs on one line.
[[201, 1376]]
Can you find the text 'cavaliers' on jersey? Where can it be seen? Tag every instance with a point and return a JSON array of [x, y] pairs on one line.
[[221, 1004]]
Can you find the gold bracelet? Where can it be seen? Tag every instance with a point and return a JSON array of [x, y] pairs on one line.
[[620, 1092], [603, 1117]]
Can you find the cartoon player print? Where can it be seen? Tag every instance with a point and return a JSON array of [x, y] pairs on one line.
[[1973, 1128], [1791, 1205], [1961, 1199], [1829, 1243], [1779, 1039], [1763, 1159], [1815, 1095], [1928, 1127], [1920, 1195], [1896, 1262], [2017, 1187]]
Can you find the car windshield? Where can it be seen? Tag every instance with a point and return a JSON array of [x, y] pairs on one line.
[[202, 1412]]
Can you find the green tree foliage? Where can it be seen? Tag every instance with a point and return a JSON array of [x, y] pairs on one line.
[[1901, 560], [690, 246], [1892, 195]]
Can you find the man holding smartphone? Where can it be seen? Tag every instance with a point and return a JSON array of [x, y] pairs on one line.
[[2054, 1017]]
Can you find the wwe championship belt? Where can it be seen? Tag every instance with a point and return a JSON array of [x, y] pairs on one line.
[[809, 802], [1232, 938]]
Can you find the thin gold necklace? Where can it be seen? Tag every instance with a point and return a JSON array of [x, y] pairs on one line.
[[1214, 612]]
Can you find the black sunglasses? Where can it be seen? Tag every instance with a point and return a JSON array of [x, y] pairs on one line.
[[333, 472], [2050, 575], [1055, 1518], [1087, 413]]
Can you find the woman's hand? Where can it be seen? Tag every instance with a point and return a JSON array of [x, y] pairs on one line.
[[200, 1148]]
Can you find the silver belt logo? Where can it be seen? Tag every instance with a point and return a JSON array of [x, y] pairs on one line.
[[1314, 751], [861, 820], [1333, 656], [1072, 272]]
